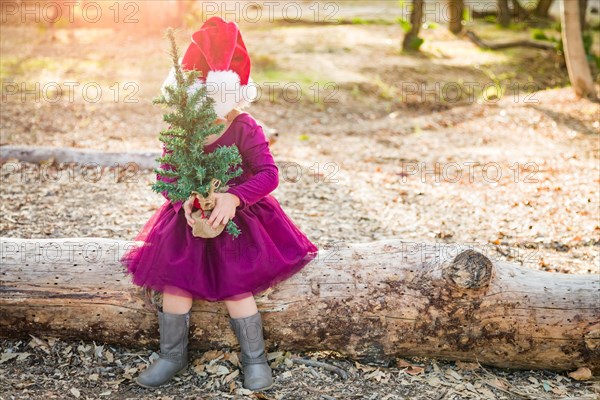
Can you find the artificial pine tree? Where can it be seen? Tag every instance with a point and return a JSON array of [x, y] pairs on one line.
[[192, 120]]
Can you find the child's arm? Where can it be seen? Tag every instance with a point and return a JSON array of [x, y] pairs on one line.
[[254, 149]]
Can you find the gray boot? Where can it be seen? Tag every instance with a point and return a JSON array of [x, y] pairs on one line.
[[173, 357], [249, 332]]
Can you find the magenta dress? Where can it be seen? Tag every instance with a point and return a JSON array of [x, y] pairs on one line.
[[269, 249]]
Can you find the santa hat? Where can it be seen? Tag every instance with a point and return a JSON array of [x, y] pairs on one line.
[[219, 53]]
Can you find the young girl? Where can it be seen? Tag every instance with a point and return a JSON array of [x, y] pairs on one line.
[[269, 249]]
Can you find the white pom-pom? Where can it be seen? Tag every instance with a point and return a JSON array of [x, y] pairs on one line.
[[250, 91], [223, 86]]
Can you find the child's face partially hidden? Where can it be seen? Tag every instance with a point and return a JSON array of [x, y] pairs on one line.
[[228, 118]]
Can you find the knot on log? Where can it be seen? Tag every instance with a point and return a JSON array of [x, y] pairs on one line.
[[469, 270]]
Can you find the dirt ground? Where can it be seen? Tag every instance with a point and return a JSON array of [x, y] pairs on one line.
[[515, 175]]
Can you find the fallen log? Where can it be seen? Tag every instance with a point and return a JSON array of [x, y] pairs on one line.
[[367, 301], [473, 37], [89, 157]]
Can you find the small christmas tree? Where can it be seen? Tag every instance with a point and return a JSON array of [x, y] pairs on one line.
[[192, 120]]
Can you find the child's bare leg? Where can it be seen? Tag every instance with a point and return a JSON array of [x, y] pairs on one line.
[[241, 308], [175, 304]]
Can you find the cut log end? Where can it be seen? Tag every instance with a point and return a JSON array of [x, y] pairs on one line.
[[469, 270]]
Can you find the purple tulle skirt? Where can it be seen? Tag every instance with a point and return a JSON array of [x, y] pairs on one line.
[[171, 260]]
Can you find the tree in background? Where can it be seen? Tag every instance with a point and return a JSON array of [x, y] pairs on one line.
[[575, 57], [582, 13], [503, 13], [542, 9], [519, 11], [456, 8], [412, 41]]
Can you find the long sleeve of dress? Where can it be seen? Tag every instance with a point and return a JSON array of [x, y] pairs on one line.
[[257, 158], [177, 205]]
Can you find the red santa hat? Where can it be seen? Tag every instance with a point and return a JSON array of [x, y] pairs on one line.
[[219, 53]]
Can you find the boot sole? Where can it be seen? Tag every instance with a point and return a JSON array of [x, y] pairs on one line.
[[265, 388], [159, 386]]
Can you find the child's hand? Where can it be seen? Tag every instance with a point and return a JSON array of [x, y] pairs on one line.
[[187, 208], [224, 210]]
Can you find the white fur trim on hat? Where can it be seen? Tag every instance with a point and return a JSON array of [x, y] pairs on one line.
[[224, 87]]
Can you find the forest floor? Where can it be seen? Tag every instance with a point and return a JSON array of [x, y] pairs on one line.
[[380, 153]]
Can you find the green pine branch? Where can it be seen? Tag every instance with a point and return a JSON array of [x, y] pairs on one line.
[[191, 119]]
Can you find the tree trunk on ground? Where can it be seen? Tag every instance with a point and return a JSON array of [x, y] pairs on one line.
[[542, 9], [455, 11], [130, 161], [367, 301], [505, 45], [503, 13], [416, 18], [575, 57]]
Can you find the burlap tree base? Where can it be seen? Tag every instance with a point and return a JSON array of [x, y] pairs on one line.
[[205, 206]]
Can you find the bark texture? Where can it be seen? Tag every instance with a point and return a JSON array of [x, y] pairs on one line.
[[368, 301]]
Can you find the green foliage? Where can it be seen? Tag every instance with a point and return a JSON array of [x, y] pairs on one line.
[[404, 24], [588, 40], [516, 26], [366, 21], [191, 119], [539, 34], [490, 18], [415, 43], [587, 37], [466, 14]]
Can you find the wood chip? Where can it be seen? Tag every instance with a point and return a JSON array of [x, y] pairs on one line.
[[581, 374]]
